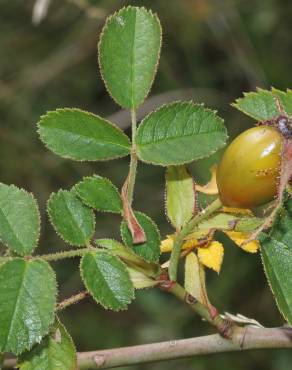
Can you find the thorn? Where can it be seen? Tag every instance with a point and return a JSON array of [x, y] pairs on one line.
[[213, 311]]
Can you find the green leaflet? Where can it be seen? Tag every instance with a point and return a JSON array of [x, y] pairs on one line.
[[99, 193], [179, 133], [107, 280], [228, 221], [56, 351], [72, 220], [83, 136], [150, 250], [139, 280], [285, 98], [261, 105], [28, 297], [194, 277], [128, 255], [180, 196], [129, 50], [19, 219], [276, 251]]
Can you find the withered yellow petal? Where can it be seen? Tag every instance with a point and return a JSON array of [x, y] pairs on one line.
[[238, 211], [166, 245], [211, 187], [212, 256], [240, 237]]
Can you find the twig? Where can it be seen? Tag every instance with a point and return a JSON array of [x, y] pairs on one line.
[[72, 300], [254, 338], [66, 254], [224, 327], [175, 254], [56, 256]]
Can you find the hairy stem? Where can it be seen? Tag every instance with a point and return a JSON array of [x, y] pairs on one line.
[[134, 159], [187, 229], [71, 300], [244, 338], [66, 254]]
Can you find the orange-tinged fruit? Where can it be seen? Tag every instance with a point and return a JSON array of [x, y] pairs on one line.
[[249, 171]]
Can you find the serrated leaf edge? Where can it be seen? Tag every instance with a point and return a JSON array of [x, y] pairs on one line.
[[86, 203], [56, 231], [31, 195], [166, 105], [51, 321], [124, 267], [108, 20], [269, 282], [59, 110], [249, 93]]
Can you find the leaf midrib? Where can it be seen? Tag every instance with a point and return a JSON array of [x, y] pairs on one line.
[[88, 137], [16, 303], [105, 281], [172, 138], [132, 63], [12, 231], [74, 221]]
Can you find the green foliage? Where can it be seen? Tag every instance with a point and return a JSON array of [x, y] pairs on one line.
[[285, 99], [56, 351], [139, 279], [262, 104], [72, 220], [180, 196], [99, 193], [19, 219], [149, 250], [27, 304], [194, 277], [83, 136], [128, 54], [173, 135], [223, 221], [107, 280], [179, 133], [277, 259], [128, 255]]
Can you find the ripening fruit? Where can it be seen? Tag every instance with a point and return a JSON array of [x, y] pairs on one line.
[[248, 173]]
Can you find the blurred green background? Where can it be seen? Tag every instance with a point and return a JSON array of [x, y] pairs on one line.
[[213, 50]]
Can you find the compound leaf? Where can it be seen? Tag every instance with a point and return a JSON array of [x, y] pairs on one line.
[[129, 50], [28, 297], [107, 280], [19, 219], [72, 220], [83, 136], [179, 133]]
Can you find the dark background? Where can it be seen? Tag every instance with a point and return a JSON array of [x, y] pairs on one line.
[[212, 52]]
